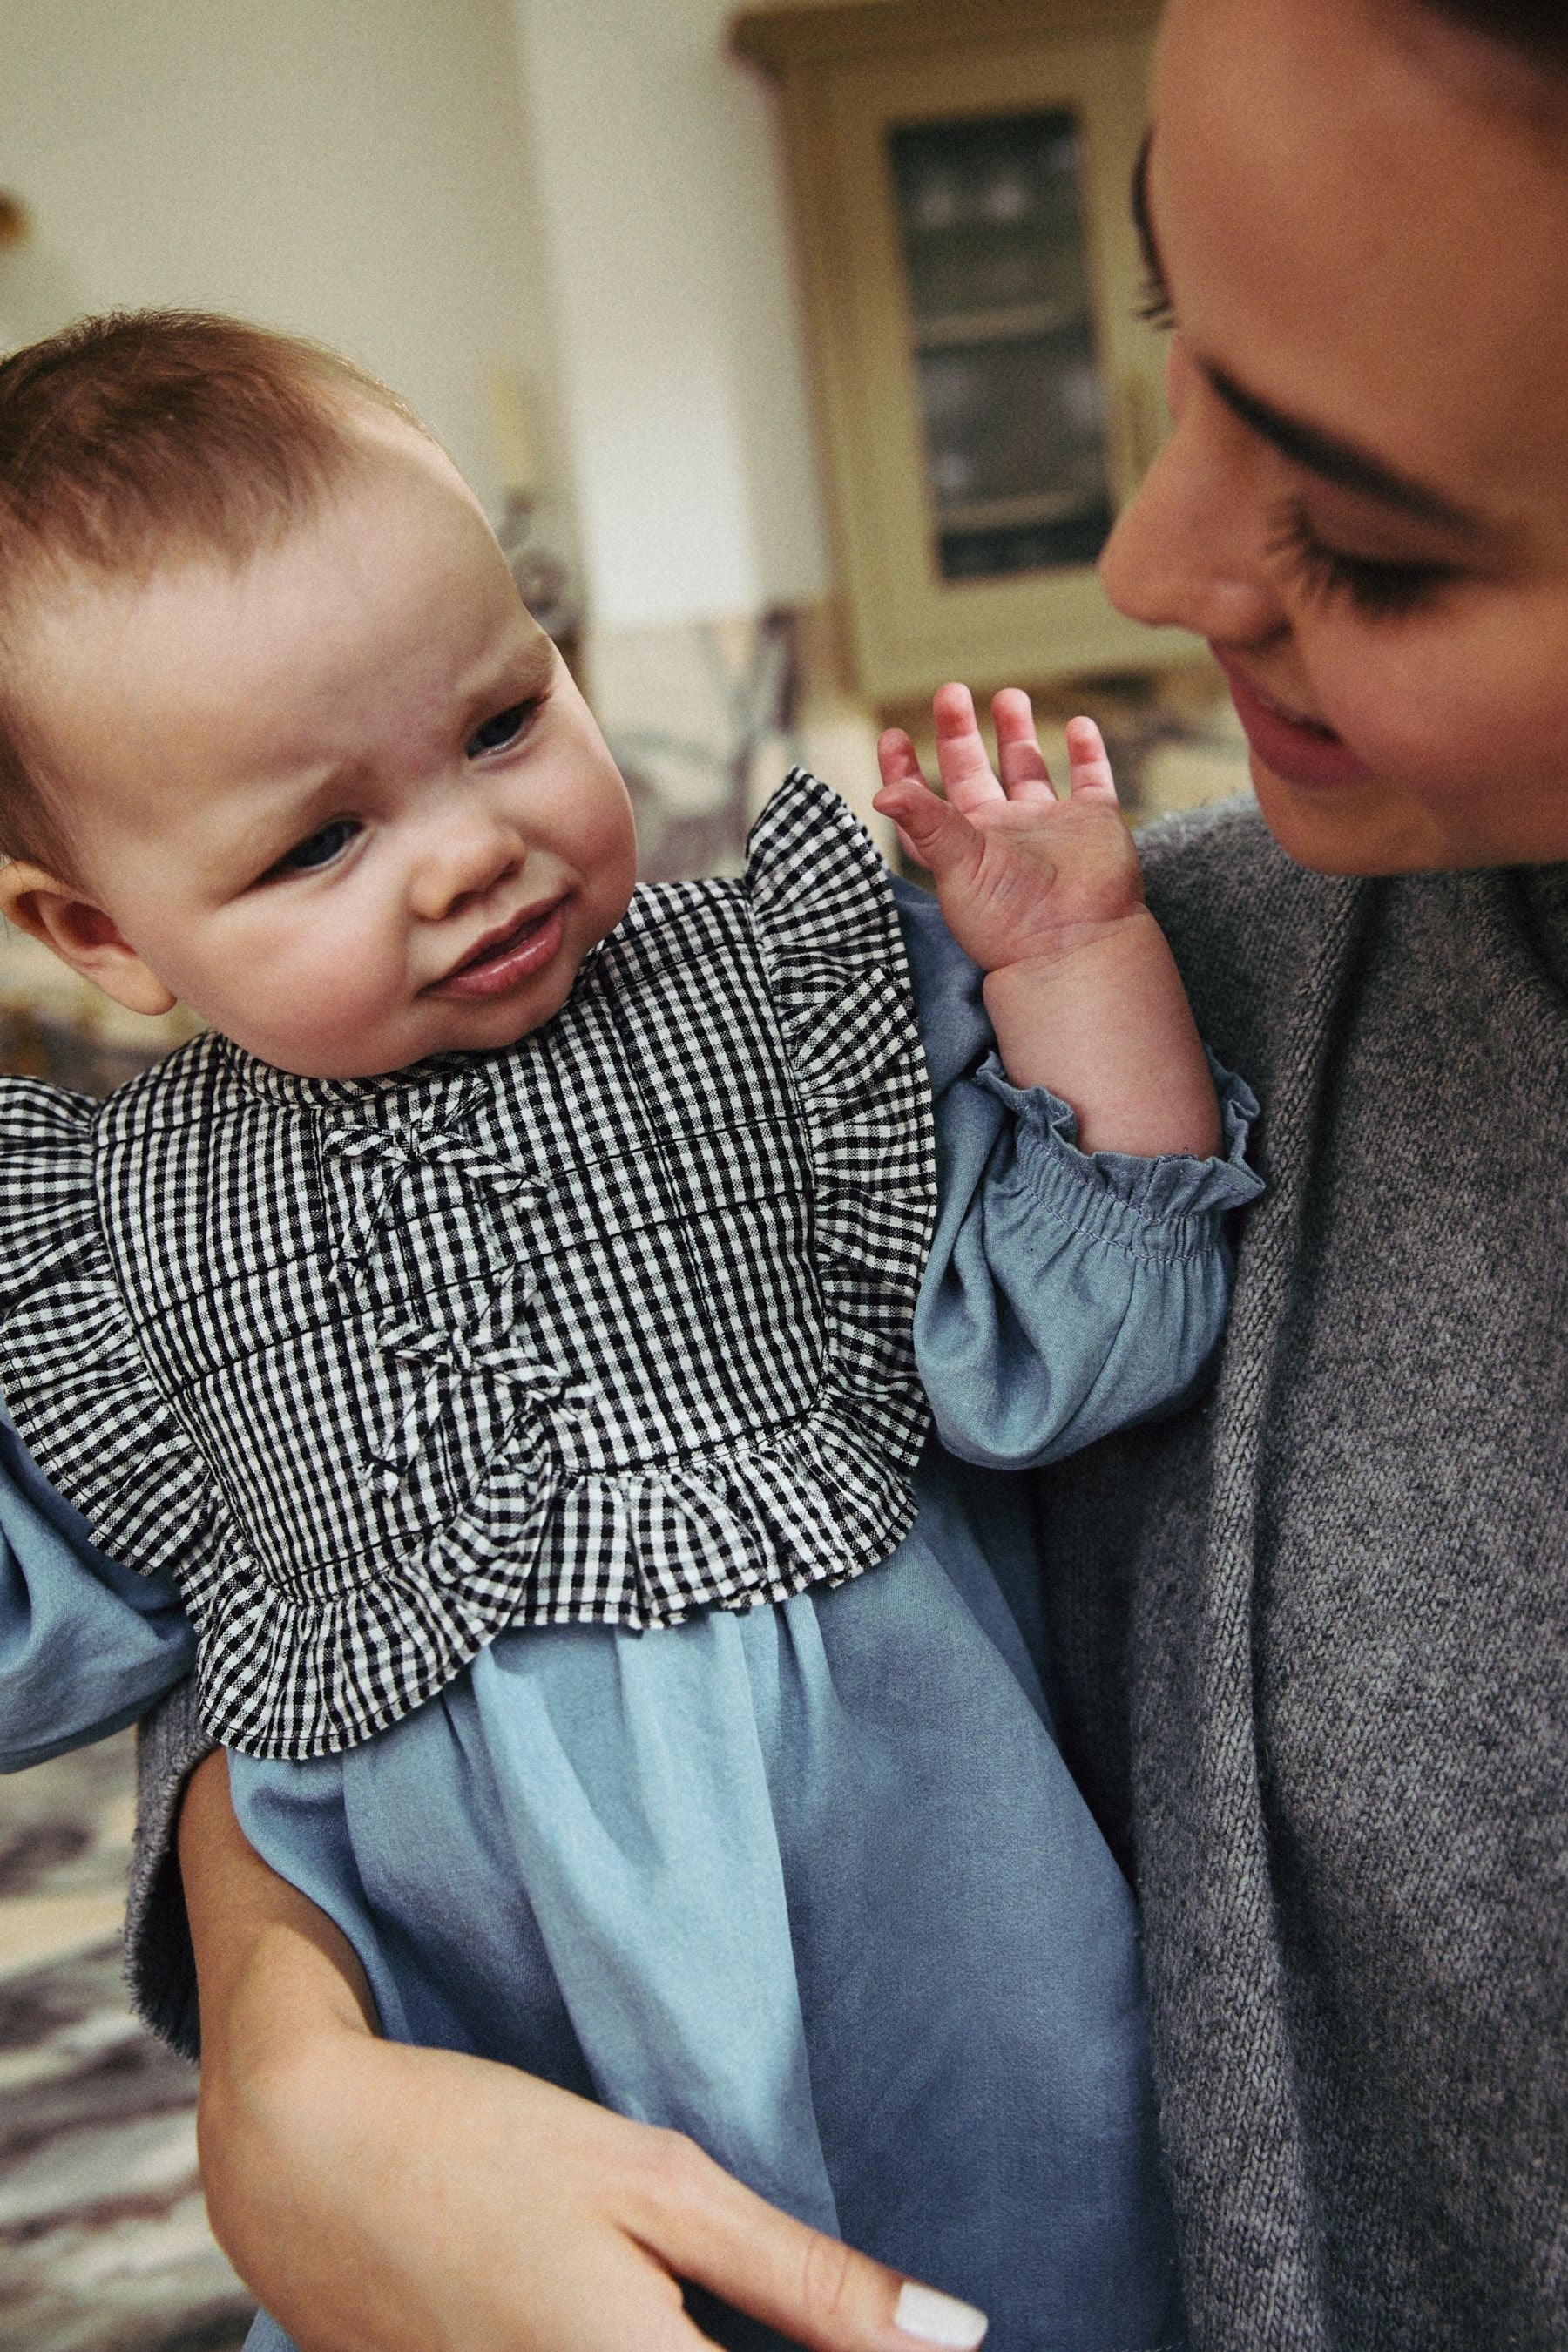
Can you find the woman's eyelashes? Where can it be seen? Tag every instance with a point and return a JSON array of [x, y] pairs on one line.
[[318, 849], [1154, 306], [505, 729], [1375, 585]]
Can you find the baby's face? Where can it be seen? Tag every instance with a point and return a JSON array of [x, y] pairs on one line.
[[346, 802]]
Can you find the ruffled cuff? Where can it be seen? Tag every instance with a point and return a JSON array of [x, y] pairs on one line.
[[1166, 1206]]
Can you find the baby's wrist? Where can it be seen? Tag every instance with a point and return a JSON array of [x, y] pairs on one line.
[[1107, 1028], [1103, 944]]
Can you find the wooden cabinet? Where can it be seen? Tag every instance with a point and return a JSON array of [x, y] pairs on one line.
[[989, 396]]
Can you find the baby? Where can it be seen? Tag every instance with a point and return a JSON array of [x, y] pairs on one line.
[[510, 1328]]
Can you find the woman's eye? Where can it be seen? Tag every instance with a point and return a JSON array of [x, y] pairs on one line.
[[1376, 587], [498, 732], [318, 849]]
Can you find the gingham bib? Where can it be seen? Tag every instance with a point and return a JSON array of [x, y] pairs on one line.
[[604, 1327]]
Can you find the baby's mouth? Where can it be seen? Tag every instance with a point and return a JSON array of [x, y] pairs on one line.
[[510, 953]]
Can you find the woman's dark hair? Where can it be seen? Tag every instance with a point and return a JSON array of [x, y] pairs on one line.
[[1536, 30]]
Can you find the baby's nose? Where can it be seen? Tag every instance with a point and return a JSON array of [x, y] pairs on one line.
[[463, 858]]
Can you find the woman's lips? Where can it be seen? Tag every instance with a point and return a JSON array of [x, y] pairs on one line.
[[1297, 751], [531, 943]]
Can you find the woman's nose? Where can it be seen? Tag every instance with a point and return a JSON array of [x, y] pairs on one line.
[[464, 853], [1188, 552]]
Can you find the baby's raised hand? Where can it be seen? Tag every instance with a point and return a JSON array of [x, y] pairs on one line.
[[1048, 897], [1020, 874]]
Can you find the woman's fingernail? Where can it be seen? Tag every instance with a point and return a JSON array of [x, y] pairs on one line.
[[932, 2318]]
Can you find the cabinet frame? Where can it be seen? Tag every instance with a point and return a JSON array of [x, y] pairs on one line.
[[847, 74]]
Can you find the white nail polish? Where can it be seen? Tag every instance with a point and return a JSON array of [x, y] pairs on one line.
[[932, 2318]]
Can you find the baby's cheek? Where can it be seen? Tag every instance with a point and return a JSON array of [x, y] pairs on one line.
[[322, 1013]]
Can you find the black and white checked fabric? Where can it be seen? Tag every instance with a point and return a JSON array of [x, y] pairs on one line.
[[608, 1326]]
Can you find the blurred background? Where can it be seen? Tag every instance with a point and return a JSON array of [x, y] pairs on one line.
[[795, 353]]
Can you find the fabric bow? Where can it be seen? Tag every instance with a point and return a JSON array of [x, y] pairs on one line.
[[384, 1160]]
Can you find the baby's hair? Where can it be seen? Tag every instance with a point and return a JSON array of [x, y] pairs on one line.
[[145, 435]]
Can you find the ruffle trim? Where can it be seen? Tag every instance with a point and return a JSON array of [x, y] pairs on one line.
[[1162, 1207], [764, 1523], [75, 1382], [303, 1671], [844, 1003]]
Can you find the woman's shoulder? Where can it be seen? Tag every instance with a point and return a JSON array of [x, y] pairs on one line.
[[1223, 888]]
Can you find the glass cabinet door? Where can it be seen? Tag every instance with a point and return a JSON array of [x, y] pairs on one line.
[[989, 396], [991, 225]]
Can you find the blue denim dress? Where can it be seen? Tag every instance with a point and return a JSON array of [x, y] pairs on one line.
[[810, 1882]]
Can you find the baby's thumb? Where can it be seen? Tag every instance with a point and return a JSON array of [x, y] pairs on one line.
[[943, 841], [811, 2288]]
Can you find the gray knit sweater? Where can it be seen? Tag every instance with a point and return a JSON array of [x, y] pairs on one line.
[[1311, 1634]]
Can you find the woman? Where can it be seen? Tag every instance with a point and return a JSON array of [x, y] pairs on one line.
[[1310, 1633]]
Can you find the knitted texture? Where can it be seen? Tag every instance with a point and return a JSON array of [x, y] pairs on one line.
[[1311, 1636]]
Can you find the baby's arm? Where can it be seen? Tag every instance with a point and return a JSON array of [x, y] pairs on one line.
[[1047, 897], [1071, 1289], [86, 1646]]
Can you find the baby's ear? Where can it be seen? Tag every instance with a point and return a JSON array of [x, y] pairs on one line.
[[78, 931]]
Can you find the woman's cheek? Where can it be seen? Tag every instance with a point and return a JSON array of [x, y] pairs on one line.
[[1405, 710]]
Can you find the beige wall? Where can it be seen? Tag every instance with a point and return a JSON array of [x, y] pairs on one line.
[[610, 220], [356, 170], [681, 345]]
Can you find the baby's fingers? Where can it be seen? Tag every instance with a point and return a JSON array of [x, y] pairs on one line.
[[1088, 764], [897, 759], [967, 776], [1025, 774]]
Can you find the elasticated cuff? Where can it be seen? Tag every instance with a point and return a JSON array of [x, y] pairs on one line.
[[1165, 1206]]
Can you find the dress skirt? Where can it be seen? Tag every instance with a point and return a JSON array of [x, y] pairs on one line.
[[811, 1883]]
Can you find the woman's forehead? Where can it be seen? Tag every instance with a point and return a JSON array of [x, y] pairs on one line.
[[1351, 234]]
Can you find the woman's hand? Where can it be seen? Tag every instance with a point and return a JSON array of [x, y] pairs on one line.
[[1047, 895], [383, 2198]]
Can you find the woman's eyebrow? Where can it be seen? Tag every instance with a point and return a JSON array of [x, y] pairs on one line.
[[1336, 459], [1344, 463], [1142, 220]]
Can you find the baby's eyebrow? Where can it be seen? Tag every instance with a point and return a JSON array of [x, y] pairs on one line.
[[535, 663]]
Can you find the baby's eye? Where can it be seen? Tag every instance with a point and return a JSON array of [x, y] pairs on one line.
[[318, 849], [496, 734]]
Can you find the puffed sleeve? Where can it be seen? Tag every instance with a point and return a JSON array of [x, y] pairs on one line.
[[72, 1374], [86, 1646], [1066, 1294]]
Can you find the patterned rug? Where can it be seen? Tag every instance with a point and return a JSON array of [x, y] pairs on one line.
[[104, 2245]]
